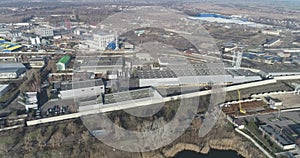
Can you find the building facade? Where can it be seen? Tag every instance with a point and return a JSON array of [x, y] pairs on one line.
[[37, 62], [79, 89], [100, 41], [44, 32]]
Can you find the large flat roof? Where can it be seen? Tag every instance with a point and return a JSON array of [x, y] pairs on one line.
[[102, 61], [281, 138], [80, 84], [174, 71]]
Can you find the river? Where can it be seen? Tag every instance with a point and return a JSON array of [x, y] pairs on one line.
[[212, 154]]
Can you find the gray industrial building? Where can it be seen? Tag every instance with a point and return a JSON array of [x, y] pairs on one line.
[[113, 66], [100, 41], [113, 99], [278, 137], [194, 74], [11, 70], [37, 62], [76, 89], [180, 73]]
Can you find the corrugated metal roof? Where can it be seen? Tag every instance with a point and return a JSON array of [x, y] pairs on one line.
[[65, 59], [13, 48]]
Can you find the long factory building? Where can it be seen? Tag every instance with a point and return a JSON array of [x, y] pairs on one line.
[[194, 74], [169, 74]]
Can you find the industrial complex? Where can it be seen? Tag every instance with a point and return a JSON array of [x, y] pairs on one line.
[[54, 71]]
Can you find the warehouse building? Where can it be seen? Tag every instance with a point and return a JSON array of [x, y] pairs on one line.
[[270, 73], [102, 65], [194, 74], [77, 89], [44, 32], [13, 48], [125, 97], [11, 70], [278, 137], [7, 47], [100, 41], [271, 42], [62, 64], [274, 103]]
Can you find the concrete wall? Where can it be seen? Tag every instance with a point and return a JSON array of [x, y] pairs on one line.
[[293, 77], [89, 107], [8, 75], [60, 66], [184, 80], [158, 82], [52, 119]]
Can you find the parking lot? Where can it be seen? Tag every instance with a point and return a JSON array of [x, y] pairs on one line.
[[56, 107]]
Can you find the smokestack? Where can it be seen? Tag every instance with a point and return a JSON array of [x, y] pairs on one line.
[[117, 43]]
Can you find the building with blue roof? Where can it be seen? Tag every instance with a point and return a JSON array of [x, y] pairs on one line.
[[6, 46]]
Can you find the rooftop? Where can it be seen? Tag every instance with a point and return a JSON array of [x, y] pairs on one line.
[[174, 71], [65, 59], [281, 138], [102, 61], [271, 41], [128, 95], [68, 85]]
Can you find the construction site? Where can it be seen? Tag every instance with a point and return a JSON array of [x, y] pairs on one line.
[[246, 107]]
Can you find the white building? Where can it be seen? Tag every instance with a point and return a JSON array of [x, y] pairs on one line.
[[81, 89], [11, 70], [272, 42], [278, 137], [44, 32], [5, 32], [100, 41], [128, 46], [31, 101], [271, 32], [194, 74], [37, 62], [35, 41], [274, 102]]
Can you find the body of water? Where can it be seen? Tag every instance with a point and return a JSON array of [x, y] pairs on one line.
[[211, 154]]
